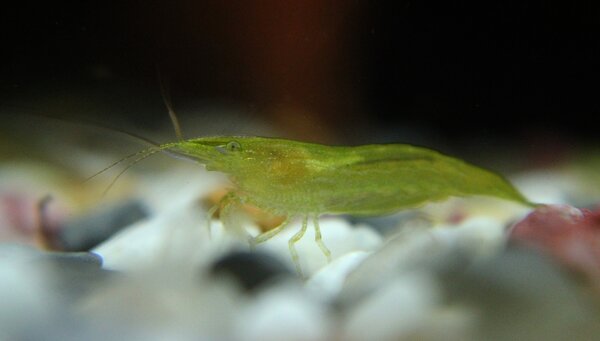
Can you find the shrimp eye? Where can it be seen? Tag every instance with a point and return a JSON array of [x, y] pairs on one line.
[[233, 146]]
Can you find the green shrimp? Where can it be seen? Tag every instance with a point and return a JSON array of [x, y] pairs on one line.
[[300, 179]]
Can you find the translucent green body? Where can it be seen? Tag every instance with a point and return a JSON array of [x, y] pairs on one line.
[[298, 178]]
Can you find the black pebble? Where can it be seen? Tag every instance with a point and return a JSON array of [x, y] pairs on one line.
[[84, 233], [250, 269]]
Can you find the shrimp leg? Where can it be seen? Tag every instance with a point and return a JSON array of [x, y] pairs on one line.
[[230, 209], [263, 237], [292, 248], [209, 215], [319, 239], [211, 212]]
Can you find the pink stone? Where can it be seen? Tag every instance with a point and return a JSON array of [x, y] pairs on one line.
[[569, 234]]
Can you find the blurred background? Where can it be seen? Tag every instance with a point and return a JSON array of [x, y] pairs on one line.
[[466, 76]]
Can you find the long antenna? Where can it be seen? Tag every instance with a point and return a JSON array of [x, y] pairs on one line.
[[139, 156], [146, 153], [167, 100], [140, 153]]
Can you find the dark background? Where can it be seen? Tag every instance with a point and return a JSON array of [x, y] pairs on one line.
[[332, 71]]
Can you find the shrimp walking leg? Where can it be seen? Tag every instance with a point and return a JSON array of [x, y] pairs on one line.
[[293, 241], [230, 215], [211, 212], [209, 215], [319, 239], [263, 237]]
